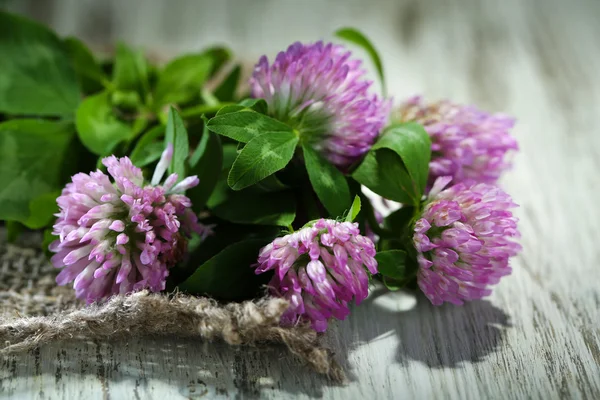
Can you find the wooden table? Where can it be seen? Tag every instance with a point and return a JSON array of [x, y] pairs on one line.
[[537, 336]]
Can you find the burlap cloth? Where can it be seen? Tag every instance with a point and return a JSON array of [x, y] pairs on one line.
[[35, 311]]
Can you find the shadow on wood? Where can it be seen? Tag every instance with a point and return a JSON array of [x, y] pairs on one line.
[[439, 337]]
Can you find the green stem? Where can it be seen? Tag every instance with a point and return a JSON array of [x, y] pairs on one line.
[[209, 98]]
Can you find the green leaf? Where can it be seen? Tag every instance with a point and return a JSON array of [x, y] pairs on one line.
[[230, 108], [202, 144], [261, 157], [182, 78], [392, 263], [230, 153], [384, 173], [400, 226], [178, 136], [130, 70], [228, 275], [354, 209], [327, 181], [205, 162], [413, 144], [258, 105], [89, 73], [98, 127], [148, 149], [139, 125], [226, 90], [226, 234], [399, 220], [356, 37], [391, 284], [251, 207], [126, 100], [397, 165], [36, 77], [245, 125], [149, 154], [42, 210], [270, 184], [32, 154]]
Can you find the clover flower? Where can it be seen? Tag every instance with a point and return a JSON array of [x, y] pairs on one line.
[[464, 238], [122, 236], [319, 269], [466, 143], [322, 92]]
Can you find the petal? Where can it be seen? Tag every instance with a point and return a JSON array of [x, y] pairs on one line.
[[162, 165], [186, 184]]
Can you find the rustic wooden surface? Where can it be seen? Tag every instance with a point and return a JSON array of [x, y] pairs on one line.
[[537, 336]]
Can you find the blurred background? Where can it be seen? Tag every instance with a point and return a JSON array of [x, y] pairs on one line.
[[484, 38]]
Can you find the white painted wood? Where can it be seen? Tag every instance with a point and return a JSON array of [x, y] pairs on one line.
[[538, 336]]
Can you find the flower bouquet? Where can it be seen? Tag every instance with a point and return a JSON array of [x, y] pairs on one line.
[[181, 199]]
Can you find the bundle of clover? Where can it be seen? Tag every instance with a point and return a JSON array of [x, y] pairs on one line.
[[210, 185]]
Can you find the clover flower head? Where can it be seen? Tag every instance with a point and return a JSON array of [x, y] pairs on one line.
[[468, 144], [464, 239], [319, 269], [123, 235], [322, 92]]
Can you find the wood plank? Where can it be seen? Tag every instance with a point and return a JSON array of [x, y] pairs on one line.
[[538, 336]]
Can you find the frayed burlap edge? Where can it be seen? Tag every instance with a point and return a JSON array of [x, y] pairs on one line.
[[145, 314], [34, 311]]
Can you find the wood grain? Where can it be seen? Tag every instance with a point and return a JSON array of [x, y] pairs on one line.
[[537, 336]]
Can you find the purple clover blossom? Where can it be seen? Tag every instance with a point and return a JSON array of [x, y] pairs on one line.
[[322, 93], [467, 144], [319, 269], [115, 238], [464, 240]]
